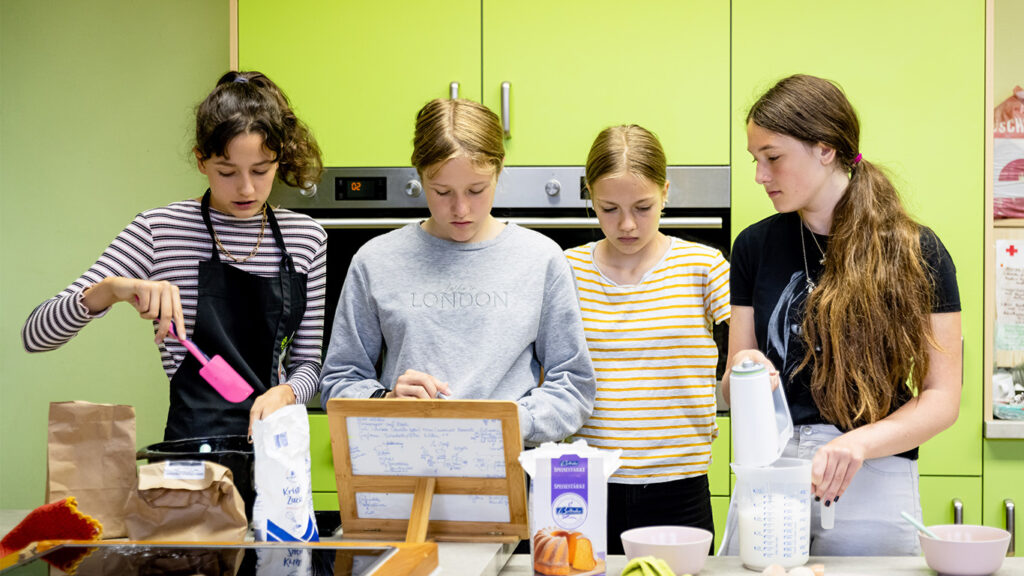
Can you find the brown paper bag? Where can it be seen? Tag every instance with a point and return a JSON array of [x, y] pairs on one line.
[[185, 500], [90, 454]]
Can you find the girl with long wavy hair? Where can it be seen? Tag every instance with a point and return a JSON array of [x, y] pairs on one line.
[[855, 309]]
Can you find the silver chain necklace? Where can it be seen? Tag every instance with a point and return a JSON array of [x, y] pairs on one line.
[[803, 249]]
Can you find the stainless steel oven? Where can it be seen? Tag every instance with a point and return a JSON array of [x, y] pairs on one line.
[[356, 204]]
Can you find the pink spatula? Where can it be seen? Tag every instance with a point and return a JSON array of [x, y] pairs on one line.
[[224, 379]]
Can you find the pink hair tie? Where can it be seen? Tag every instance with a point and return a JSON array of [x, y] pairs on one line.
[[856, 160]]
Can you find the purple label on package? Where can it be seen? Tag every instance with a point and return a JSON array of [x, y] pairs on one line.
[[569, 491]]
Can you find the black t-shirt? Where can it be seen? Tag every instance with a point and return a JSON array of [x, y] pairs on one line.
[[768, 274]]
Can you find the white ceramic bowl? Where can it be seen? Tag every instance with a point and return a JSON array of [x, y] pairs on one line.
[[683, 548], [965, 549]]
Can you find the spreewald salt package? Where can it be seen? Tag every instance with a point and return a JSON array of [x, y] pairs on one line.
[[569, 507]]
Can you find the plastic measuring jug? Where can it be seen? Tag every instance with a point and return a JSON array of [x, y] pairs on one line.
[[761, 423], [773, 508]]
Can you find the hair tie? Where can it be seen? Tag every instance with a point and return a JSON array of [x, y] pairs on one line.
[[856, 160], [244, 80]]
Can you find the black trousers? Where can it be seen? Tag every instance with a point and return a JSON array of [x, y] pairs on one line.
[[685, 502]]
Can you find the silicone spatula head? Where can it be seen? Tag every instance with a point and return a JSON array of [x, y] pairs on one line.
[[228, 383]]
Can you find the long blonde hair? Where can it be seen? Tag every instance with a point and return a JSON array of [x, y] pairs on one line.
[[446, 128], [867, 325]]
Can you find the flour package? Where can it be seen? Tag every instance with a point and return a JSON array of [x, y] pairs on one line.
[[569, 507], [283, 511]]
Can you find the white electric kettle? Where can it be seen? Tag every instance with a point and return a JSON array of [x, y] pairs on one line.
[[761, 423]]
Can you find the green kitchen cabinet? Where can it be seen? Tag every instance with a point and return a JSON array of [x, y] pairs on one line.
[[357, 72], [321, 459], [719, 512], [718, 473], [929, 132], [575, 67], [320, 455], [325, 501], [942, 495], [1003, 481]]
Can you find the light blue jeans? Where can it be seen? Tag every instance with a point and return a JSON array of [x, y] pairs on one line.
[[868, 521]]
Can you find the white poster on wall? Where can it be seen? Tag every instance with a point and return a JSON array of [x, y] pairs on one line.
[[1009, 295]]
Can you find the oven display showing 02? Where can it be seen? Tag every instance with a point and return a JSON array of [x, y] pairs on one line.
[[375, 188]]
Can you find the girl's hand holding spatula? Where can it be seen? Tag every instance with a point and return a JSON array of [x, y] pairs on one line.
[[153, 300]]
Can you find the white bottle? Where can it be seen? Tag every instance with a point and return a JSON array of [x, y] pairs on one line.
[[761, 423]]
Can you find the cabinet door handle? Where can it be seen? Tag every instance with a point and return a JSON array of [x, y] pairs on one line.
[[453, 90], [1010, 525], [506, 121], [958, 511]]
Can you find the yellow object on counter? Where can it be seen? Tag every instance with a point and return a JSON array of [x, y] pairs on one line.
[[647, 566]]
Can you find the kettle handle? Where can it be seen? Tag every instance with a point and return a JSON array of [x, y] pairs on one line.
[[783, 418]]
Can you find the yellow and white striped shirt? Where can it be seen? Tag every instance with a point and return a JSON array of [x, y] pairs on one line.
[[654, 358]]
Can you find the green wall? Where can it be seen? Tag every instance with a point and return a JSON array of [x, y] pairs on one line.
[[96, 110], [1008, 61]]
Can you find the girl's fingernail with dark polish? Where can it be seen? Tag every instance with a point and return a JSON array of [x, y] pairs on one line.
[[836, 500], [827, 503], [817, 498]]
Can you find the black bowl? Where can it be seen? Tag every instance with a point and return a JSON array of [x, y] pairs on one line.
[[234, 452]]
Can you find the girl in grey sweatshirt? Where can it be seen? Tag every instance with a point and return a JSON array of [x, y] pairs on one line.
[[465, 306]]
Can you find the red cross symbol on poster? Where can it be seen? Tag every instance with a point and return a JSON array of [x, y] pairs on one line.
[[1012, 251]]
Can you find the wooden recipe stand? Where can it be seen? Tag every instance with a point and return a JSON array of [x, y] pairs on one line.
[[447, 469]]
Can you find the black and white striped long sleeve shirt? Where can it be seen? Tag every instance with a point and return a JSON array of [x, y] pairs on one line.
[[167, 243]]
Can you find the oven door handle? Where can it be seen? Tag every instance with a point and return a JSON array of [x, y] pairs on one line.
[[695, 222]]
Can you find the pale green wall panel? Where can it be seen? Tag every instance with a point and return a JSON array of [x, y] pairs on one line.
[[917, 82], [357, 72], [1008, 62], [578, 66], [96, 112]]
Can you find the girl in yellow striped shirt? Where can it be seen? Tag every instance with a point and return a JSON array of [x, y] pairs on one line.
[[649, 302]]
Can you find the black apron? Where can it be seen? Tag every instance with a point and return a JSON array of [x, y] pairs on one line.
[[246, 319]]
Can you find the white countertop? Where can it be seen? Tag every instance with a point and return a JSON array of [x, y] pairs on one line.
[[519, 565], [457, 559]]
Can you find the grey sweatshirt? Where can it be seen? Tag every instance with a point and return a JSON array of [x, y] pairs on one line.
[[483, 317]]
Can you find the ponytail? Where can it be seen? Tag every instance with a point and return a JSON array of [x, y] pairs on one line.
[[867, 325]]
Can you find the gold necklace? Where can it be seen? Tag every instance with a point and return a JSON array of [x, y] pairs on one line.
[[263, 225]]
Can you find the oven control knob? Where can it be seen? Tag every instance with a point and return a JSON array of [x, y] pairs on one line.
[[553, 187], [308, 191], [413, 188]]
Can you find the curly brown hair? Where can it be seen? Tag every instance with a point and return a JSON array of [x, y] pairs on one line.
[[249, 102], [867, 325]]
